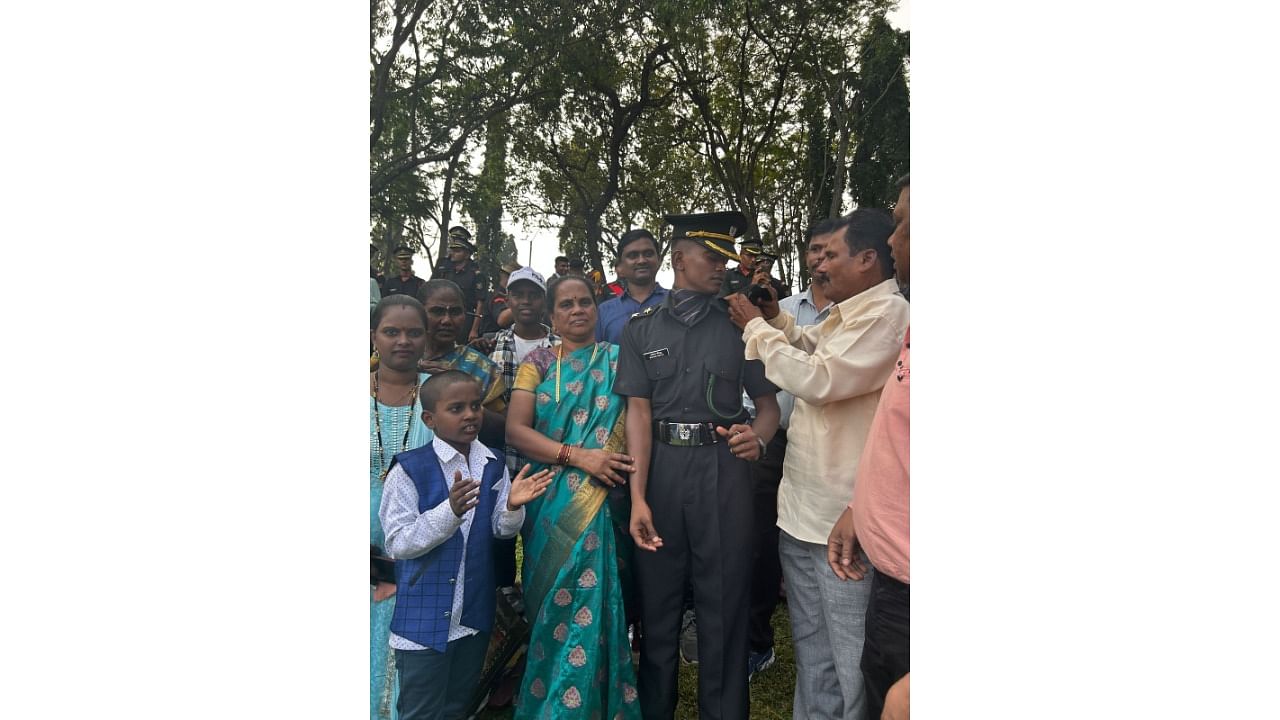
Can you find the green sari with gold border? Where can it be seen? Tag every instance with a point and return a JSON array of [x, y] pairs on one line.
[[579, 658]]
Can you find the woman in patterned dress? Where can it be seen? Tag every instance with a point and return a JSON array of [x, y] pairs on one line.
[[398, 329], [564, 415]]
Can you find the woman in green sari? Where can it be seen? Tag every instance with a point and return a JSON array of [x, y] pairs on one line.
[[564, 415]]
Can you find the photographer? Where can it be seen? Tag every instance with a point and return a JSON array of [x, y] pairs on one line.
[[835, 370], [809, 307], [739, 278], [763, 275]]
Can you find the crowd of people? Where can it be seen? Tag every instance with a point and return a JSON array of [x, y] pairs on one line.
[[670, 458], [487, 302]]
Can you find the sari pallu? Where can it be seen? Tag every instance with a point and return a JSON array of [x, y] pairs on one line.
[[579, 659]]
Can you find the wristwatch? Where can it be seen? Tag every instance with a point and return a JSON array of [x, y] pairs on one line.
[[764, 450]]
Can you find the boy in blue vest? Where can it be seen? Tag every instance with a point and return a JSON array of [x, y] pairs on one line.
[[440, 522]]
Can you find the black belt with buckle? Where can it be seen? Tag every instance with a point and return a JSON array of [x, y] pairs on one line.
[[686, 434]]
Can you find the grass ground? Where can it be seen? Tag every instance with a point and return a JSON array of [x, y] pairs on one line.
[[771, 691]]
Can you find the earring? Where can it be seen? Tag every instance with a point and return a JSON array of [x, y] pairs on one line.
[[376, 356]]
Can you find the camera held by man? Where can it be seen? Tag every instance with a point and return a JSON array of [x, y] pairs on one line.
[[764, 287]]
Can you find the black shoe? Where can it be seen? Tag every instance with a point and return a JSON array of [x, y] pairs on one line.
[[689, 638], [758, 662]]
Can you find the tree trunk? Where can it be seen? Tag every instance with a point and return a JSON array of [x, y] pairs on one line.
[[392, 232], [837, 193], [594, 240], [446, 201]]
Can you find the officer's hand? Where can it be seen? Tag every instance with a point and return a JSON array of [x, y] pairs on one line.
[[843, 548], [642, 527], [604, 465], [743, 441], [464, 495], [741, 311]]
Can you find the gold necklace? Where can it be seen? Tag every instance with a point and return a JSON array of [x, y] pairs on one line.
[[595, 347]]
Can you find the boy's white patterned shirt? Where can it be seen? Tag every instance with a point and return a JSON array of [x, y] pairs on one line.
[[410, 534]]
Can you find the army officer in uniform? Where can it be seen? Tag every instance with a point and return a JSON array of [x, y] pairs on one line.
[[739, 278], [683, 370], [459, 268]]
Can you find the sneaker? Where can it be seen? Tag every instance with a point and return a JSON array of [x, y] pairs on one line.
[[758, 662], [689, 638]]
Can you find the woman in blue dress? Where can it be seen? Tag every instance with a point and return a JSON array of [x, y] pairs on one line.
[[398, 329]]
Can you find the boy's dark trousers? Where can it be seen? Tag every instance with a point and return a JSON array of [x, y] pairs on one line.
[[439, 685], [504, 562]]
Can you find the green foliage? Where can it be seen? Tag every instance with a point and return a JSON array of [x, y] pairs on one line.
[[484, 202], [593, 118], [883, 133]]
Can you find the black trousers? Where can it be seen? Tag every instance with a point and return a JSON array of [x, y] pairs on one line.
[[766, 568], [504, 562], [701, 501], [886, 653], [438, 685]]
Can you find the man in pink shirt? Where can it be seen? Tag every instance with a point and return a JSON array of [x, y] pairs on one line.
[[879, 517]]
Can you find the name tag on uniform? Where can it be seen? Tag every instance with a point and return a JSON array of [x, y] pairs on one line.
[[656, 354]]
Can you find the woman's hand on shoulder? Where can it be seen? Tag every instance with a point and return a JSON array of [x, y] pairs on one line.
[[434, 367], [484, 344]]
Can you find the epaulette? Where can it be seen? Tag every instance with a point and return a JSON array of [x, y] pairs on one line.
[[645, 312]]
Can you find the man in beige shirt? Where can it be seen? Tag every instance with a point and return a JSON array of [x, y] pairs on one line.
[[836, 370]]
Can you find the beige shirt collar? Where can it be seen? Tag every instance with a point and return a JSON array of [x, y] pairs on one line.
[[879, 290]]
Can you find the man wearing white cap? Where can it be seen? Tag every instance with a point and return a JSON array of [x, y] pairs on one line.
[[526, 297], [526, 301]]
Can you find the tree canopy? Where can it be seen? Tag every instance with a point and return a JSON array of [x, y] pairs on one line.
[[593, 118]]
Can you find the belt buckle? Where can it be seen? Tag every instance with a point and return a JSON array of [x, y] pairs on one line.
[[684, 431]]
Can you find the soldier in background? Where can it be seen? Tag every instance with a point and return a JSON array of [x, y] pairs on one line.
[[764, 273], [739, 278], [461, 270], [404, 282]]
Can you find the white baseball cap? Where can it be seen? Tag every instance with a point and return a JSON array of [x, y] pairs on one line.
[[527, 274]]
